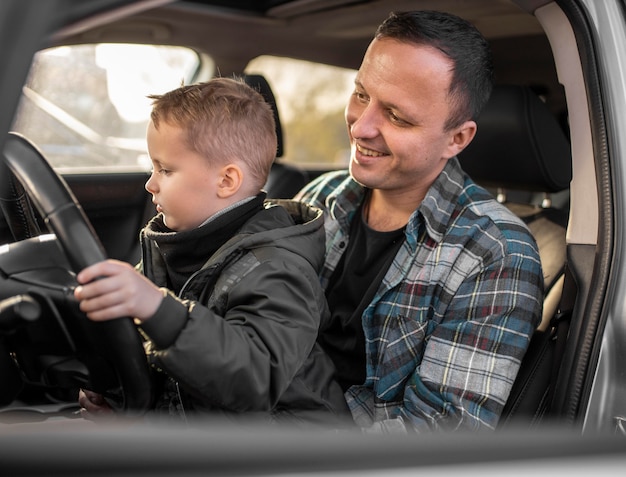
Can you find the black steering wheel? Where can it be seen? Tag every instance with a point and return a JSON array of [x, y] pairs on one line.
[[106, 357]]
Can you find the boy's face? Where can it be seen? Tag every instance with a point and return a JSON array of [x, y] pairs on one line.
[[183, 184]]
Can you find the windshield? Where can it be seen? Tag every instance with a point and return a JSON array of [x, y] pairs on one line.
[[86, 106]]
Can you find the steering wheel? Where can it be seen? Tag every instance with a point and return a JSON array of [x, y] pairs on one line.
[[111, 352]]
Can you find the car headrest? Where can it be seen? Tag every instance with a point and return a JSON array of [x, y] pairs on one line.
[[259, 83], [519, 144]]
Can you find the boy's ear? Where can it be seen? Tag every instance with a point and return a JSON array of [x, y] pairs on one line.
[[230, 180], [461, 137]]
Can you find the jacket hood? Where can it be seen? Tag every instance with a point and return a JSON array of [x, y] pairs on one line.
[[284, 223]]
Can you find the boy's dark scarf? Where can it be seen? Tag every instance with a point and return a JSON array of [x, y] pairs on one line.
[[186, 252]]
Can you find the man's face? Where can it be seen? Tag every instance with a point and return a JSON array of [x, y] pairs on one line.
[[396, 118]]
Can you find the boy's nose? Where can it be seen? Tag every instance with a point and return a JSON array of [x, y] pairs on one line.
[[150, 184]]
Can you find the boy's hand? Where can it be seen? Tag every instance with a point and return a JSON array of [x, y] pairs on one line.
[[113, 289], [93, 406]]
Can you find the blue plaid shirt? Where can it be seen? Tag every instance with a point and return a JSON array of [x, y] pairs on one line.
[[452, 318]]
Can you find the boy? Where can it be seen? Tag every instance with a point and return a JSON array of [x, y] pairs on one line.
[[229, 297]]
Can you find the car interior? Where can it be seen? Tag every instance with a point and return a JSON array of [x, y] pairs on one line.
[[522, 154], [285, 180], [531, 143]]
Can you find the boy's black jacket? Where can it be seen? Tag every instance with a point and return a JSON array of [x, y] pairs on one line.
[[241, 335]]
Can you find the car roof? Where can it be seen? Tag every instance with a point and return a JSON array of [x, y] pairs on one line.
[[333, 32]]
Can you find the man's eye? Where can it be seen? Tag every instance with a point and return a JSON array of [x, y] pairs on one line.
[[397, 120], [361, 96]]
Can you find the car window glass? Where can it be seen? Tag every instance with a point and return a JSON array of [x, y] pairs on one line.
[[86, 106], [311, 100]]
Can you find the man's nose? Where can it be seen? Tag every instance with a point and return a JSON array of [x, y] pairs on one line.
[[363, 122]]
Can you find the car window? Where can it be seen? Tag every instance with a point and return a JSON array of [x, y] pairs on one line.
[[311, 100], [86, 106]]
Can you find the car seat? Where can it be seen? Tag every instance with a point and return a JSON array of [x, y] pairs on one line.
[[522, 154], [284, 180]]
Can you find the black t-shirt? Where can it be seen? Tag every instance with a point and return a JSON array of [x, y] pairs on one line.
[[351, 288]]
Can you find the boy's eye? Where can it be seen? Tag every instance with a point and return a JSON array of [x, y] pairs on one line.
[[160, 171]]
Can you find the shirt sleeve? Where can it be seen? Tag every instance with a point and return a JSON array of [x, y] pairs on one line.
[[472, 357], [467, 360]]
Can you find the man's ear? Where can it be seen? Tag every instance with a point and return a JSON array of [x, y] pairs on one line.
[[460, 137], [230, 180]]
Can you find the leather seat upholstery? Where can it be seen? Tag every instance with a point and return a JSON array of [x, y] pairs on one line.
[[285, 180], [520, 152], [519, 144]]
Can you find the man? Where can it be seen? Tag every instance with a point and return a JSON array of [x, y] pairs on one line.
[[435, 288]]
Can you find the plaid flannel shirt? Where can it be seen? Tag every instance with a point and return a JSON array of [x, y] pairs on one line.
[[453, 316]]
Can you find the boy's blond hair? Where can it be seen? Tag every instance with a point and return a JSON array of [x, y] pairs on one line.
[[226, 120]]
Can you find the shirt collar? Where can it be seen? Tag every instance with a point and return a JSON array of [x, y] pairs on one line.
[[434, 212], [441, 201], [345, 201]]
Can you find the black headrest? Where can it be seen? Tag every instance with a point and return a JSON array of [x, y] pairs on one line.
[[259, 83], [518, 145]]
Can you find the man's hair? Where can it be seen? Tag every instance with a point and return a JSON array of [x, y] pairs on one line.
[[462, 43], [224, 119]]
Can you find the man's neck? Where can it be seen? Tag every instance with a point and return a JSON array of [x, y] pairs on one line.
[[385, 212]]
